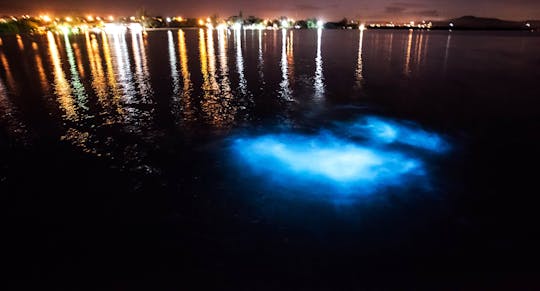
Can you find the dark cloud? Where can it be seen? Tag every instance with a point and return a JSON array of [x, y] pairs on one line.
[[311, 7], [431, 13], [394, 9], [307, 7], [408, 4]]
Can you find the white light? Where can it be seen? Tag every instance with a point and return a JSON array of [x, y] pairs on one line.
[[320, 24], [451, 25], [362, 27], [168, 19], [284, 23], [528, 25], [135, 27], [114, 28], [64, 29], [236, 26]]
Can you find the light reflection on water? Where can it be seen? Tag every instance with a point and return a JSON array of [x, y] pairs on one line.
[[9, 76], [103, 86], [360, 66], [141, 65], [186, 98], [96, 68], [319, 78], [285, 90], [242, 84], [41, 70], [77, 87], [260, 58], [61, 85], [406, 69], [9, 115]]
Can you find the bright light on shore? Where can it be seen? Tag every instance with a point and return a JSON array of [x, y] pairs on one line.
[[46, 18], [362, 27], [114, 28], [236, 26], [135, 27], [320, 24]]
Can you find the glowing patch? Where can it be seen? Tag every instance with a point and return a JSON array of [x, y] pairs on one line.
[[386, 131], [294, 159], [336, 165]]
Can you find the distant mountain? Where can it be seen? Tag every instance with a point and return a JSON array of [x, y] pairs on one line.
[[473, 22]]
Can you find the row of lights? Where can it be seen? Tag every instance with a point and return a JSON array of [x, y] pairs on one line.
[[91, 18]]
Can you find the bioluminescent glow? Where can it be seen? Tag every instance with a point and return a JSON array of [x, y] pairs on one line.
[[352, 160], [325, 157], [381, 130]]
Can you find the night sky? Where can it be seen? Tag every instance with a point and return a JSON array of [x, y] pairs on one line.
[[328, 10]]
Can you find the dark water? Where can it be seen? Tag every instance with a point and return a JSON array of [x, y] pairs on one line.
[[187, 157]]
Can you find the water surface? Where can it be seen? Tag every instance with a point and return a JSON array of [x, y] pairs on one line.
[[248, 155]]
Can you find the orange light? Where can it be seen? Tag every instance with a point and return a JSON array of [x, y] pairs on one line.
[[201, 22]]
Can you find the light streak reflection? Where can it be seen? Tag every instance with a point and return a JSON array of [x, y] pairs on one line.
[[61, 85], [20, 42], [446, 52], [186, 98], [10, 116], [285, 90], [41, 70], [76, 84], [240, 65], [111, 79], [407, 70], [360, 64], [260, 63], [9, 75], [172, 63], [141, 66], [96, 68], [319, 78]]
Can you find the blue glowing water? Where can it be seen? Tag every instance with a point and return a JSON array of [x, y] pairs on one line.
[[353, 159], [384, 130]]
